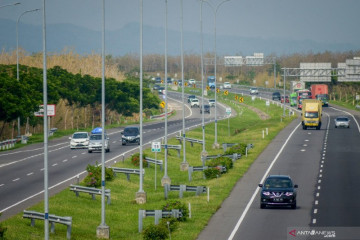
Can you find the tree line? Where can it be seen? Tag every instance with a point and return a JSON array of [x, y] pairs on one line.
[[22, 98]]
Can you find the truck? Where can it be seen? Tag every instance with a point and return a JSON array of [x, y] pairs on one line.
[[320, 92], [293, 99], [302, 94], [311, 113], [211, 82]]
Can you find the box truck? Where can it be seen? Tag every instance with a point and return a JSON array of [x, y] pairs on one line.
[[311, 113]]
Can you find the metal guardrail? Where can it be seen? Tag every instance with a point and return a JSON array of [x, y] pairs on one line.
[[52, 219], [233, 156], [357, 106], [176, 147], [184, 188], [127, 171], [153, 161], [7, 144], [52, 131], [90, 190], [196, 169], [158, 214], [228, 145], [191, 140]]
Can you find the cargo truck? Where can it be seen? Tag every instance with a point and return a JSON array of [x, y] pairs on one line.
[[293, 99], [320, 92], [311, 113]]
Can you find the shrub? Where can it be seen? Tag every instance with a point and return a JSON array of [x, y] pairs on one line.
[[93, 179], [2, 231], [223, 161], [172, 223], [212, 173], [135, 159], [155, 232], [174, 204], [239, 148]]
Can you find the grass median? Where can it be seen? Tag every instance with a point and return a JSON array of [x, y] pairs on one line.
[[122, 213]]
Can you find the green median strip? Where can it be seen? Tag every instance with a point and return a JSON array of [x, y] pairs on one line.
[[122, 214]]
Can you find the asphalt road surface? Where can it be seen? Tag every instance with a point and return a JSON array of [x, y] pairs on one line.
[[324, 163], [22, 170]]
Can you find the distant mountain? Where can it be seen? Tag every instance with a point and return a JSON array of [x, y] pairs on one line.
[[126, 40]]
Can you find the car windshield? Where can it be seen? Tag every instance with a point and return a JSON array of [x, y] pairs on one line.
[[95, 137], [342, 119], [278, 183], [311, 114], [131, 131], [80, 135]]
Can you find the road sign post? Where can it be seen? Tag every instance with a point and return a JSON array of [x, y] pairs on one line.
[[155, 147]]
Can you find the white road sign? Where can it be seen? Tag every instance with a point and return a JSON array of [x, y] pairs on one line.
[[155, 147]]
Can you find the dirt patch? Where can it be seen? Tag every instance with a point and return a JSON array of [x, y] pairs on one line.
[[261, 114]]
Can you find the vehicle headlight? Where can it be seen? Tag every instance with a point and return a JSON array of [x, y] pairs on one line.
[[289, 194], [266, 193]]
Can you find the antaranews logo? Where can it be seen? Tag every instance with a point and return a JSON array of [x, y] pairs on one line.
[[293, 233]]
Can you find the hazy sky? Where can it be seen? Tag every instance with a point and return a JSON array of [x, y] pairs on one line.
[[320, 20]]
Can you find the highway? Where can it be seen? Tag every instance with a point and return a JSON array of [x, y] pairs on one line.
[[324, 163], [21, 170]]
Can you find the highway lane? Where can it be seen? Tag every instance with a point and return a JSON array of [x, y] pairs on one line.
[[21, 171], [240, 216]]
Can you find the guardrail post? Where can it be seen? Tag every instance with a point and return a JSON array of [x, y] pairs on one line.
[[190, 171], [141, 216], [158, 216], [166, 190], [182, 190]]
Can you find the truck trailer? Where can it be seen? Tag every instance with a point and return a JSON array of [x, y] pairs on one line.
[[320, 92], [311, 113]]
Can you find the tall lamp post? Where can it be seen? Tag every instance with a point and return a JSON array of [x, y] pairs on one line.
[[215, 10], [17, 53], [203, 153], [103, 231], [8, 5], [166, 179], [184, 165]]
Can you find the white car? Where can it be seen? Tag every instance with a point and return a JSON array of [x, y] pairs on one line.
[[227, 85], [342, 122], [79, 140], [254, 91], [95, 143], [212, 102], [194, 103], [192, 81]]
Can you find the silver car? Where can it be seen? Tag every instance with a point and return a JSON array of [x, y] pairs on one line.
[[95, 143], [79, 140], [342, 122]]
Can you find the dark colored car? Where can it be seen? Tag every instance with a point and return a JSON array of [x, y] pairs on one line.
[[206, 109], [156, 87], [276, 96], [130, 135], [190, 97], [278, 190]]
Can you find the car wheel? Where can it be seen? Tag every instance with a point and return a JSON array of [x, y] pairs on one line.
[[123, 144], [262, 206], [293, 206], [108, 150], [89, 151], [335, 126]]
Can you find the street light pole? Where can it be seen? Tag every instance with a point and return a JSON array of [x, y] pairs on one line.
[[7, 5], [141, 194], [17, 53], [215, 10], [184, 165], [103, 231], [203, 153], [166, 179]]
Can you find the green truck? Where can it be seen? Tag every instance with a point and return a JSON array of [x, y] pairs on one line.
[[293, 99]]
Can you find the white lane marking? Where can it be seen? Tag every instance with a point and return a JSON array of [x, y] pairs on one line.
[[42, 169], [320, 175], [305, 145], [16, 179], [321, 166], [30, 174], [65, 160], [303, 150], [316, 202], [320, 170], [314, 221], [36, 155], [315, 211], [350, 115], [306, 140], [74, 156], [55, 164], [31, 150], [83, 153], [319, 187], [319, 181], [317, 194], [257, 189], [2, 185]]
